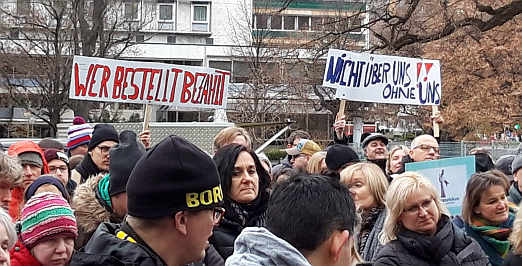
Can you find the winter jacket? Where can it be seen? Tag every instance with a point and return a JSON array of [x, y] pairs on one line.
[[258, 246], [513, 260], [373, 245], [105, 248], [514, 194], [17, 193], [85, 169], [21, 256], [88, 211], [449, 246]]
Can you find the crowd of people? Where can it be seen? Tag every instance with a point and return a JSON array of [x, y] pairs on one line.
[[109, 198]]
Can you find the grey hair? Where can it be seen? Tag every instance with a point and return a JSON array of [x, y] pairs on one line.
[[5, 219], [11, 170]]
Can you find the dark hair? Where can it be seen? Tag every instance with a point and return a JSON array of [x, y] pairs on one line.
[[306, 209], [298, 133], [225, 159]]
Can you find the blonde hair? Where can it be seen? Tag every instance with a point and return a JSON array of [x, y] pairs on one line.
[[516, 235], [227, 135], [11, 170], [314, 163], [390, 155], [401, 188], [373, 175], [9, 227]]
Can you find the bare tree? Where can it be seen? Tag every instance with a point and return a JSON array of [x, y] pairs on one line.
[[40, 38]]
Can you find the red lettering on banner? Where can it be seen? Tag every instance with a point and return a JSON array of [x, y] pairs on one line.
[[222, 89], [136, 88], [174, 83], [81, 88], [93, 80], [204, 92], [188, 80], [159, 85], [151, 82], [105, 77], [165, 87], [145, 71], [117, 90], [196, 90]]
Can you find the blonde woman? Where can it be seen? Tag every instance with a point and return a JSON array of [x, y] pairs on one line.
[[367, 184], [230, 135], [316, 164], [394, 163], [418, 229], [515, 257]]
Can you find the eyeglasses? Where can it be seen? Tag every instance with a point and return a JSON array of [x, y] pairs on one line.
[[53, 169], [425, 205], [217, 214], [104, 149], [427, 148]]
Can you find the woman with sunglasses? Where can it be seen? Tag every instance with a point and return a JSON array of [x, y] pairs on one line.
[[245, 186]]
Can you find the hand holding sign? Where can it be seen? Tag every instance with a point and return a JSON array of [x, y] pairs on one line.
[[339, 125]]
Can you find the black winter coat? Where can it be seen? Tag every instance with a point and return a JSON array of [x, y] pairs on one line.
[[105, 248], [449, 246], [513, 260]]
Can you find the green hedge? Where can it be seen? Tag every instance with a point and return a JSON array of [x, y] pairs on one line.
[[275, 154]]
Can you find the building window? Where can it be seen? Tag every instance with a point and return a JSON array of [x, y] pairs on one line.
[[317, 23], [261, 21], [131, 11], [304, 23], [289, 23], [171, 38], [221, 65], [276, 22], [140, 38], [23, 7], [200, 17], [166, 12]]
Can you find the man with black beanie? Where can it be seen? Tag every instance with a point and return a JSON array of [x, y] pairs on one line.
[[174, 194], [97, 159]]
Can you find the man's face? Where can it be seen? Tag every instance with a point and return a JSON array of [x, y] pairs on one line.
[[31, 173], [100, 154], [376, 149], [426, 148], [81, 150], [59, 169], [199, 230], [5, 195], [300, 161]]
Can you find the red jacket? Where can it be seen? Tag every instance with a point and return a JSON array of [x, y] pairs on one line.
[[17, 193], [21, 256]]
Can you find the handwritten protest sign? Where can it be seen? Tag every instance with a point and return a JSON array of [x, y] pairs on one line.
[[449, 176], [109, 80], [383, 79]]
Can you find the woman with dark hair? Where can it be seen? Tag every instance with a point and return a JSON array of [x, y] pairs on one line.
[[245, 186]]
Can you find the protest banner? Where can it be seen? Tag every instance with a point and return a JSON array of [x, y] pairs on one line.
[[109, 80], [383, 79], [449, 176]]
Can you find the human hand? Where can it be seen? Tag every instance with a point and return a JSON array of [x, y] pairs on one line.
[[145, 138]]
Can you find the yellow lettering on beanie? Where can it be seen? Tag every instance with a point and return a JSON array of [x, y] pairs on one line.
[[207, 197]]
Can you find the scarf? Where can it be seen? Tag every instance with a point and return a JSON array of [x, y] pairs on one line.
[[102, 193], [87, 168], [496, 236], [368, 219]]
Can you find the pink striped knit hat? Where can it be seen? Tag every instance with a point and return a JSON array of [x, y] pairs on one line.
[[45, 216]]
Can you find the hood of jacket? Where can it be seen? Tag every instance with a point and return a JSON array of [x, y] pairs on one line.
[[21, 256], [258, 246], [88, 211], [17, 193]]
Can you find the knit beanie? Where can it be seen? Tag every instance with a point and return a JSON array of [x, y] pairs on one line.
[[101, 133], [79, 133], [338, 155], [517, 163], [44, 216], [43, 180], [123, 159], [174, 175], [31, 158]]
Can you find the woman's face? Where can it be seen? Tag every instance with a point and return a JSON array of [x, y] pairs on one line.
[[54, 252], [360, 191], [493, 205], [420, 213], [4, 248], [245, 181], [396, 160]]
